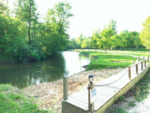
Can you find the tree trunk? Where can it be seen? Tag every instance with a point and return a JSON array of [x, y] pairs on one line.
[[29, 23], [34, 30], [105, 51]]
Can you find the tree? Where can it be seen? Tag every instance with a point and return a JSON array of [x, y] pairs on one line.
[[13, 33], [72, 44], [112, 25], [145, 33], [124, 38], [79, 40], [115, 41], [94, 39], [27, 12], [105, 41], [3, 7], [134, 40], [84, 44], [56, 37]]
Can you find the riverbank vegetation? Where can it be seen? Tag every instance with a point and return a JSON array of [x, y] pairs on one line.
[[109, 60], [25, 38]]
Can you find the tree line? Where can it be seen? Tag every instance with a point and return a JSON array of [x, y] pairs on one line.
[[107, 39], [25, 38]]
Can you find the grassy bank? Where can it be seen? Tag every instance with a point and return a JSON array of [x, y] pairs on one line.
[[13, 100], [108, 60]]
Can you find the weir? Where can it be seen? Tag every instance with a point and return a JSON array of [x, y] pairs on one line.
[[107, 91]]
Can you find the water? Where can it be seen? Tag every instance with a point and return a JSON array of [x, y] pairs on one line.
[[31, 73]]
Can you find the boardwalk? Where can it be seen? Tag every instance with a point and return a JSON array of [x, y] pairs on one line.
[[106, 95]]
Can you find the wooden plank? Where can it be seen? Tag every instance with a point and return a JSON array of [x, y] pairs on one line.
[[69, 108], [85, 103]]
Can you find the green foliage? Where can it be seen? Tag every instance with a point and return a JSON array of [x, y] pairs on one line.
[[95, 39], [131, 104], [108, 38], [112, 26], [121, 98], [24, 38], [145, 33], [79, 41], [115, 41], [84, 44], [117, 110], [105, 41]]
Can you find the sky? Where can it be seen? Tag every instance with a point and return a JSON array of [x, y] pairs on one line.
[[91, 15]]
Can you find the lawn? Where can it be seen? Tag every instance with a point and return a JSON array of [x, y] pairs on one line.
[[108, 60], [133, 52]]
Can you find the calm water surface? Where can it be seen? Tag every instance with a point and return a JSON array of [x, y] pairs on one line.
[[30, 73]]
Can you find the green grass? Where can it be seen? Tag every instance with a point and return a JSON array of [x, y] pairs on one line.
[[108, 60], [144, 86], [131, 52], [117, 110], [15, 101], [131, 104]]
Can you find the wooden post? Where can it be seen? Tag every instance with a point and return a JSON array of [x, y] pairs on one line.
[[141, 65], [138, 59], [129, 72], [148, 58], [65, 88], [90, 105], [137, 69]]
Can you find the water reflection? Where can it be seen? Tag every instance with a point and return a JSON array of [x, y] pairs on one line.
[[24, 74]]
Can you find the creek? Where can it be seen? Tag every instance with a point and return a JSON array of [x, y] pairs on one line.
[[22, 75]]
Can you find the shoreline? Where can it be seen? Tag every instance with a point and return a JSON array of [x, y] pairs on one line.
[[49, 95]]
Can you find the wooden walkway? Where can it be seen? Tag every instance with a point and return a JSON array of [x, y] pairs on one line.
[[106, 95]]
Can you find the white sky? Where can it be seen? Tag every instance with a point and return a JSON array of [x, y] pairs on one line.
[[90, 15]]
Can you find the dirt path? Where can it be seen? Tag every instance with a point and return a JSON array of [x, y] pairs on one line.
[[49, 95]]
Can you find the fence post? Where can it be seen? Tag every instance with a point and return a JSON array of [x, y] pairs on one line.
[[65, 88], [141, 65], [90, 104], [129, 72], [138, 59], [148, 58], [143, 58], [137, 69]]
